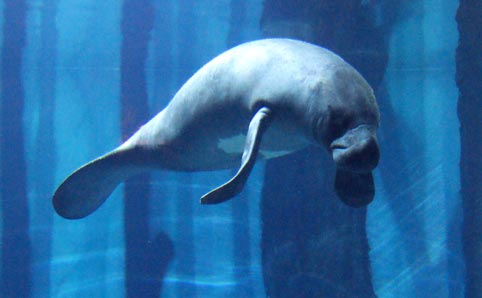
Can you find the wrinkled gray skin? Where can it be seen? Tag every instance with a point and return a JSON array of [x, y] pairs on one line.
[[290, 94]]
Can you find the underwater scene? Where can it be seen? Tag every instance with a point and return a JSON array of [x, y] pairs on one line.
[[271, 168]]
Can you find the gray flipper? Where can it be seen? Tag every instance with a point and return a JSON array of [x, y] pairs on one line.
[[354, 189], [257, 127], [89, 186]]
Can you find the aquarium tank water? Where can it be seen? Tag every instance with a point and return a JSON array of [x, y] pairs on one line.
[[78, 77]]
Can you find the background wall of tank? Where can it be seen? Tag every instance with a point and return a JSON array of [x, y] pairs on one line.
[[71, 74]]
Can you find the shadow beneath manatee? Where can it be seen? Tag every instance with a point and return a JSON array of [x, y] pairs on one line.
[[312, 244]]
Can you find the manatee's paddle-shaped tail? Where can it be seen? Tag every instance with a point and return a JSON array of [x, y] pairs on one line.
[[89, 186], [257, 127]]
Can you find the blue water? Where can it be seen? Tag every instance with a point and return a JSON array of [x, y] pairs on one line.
[[272, 240]]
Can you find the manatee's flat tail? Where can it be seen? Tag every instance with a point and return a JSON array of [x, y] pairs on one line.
[[257, 127], [88, 187]]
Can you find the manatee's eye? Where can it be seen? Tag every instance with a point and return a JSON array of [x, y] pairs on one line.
[[338, 122]]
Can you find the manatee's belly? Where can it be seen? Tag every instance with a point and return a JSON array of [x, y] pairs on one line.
[[272, 145], [214, 149], [235, 146]]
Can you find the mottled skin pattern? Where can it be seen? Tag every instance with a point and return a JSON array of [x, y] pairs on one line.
[[312, 97]]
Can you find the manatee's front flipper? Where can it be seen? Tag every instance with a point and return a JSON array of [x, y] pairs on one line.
[[354, 189], [257, 127], [89, 186]]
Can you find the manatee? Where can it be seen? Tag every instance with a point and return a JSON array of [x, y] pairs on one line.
[[265, 99]]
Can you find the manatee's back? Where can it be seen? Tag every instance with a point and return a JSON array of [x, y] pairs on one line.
[[232, 86]]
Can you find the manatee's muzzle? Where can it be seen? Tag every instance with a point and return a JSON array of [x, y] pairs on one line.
[[357, 150]]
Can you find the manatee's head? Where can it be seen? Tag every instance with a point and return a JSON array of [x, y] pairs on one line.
[[356, 150], [355, 154], [347, 129]]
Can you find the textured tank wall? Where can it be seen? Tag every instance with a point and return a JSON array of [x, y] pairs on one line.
[[15, 275], [469, 82], [88, 254], [414, 225]]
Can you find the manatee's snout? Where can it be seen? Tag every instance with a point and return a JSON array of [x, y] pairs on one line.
[[357, 150]]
